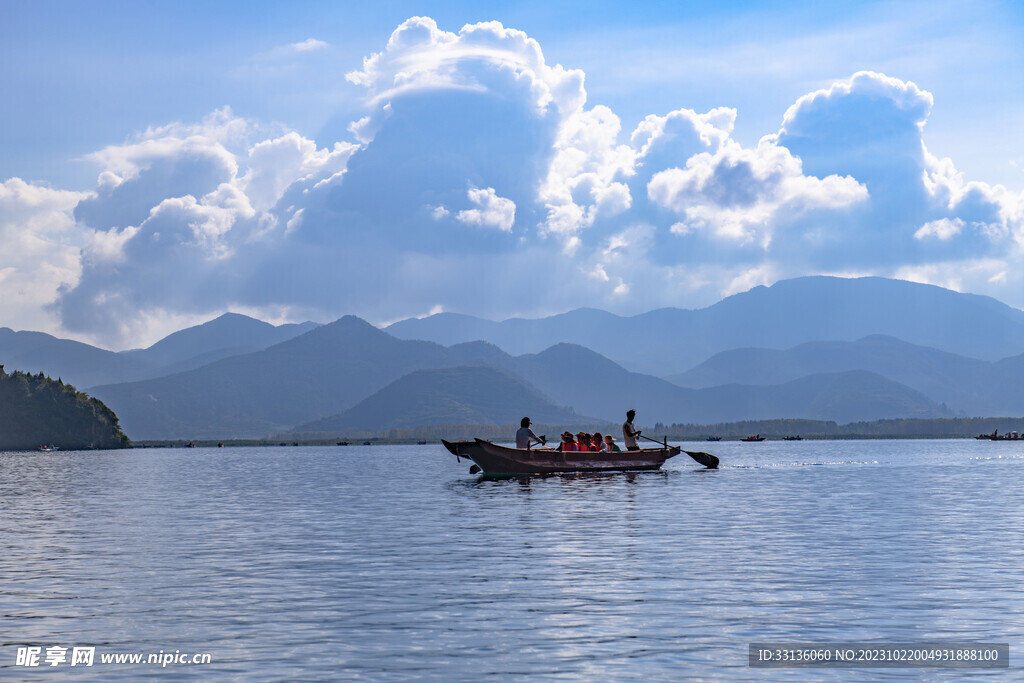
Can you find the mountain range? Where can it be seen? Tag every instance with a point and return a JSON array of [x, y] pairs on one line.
[[350, 373], [791, 312], [236, 377], [969, 386]]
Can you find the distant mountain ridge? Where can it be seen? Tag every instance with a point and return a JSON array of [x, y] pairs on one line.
[[669, 341], [320, 373], [967, 386], [75, 362], [230, 334], [349, 372], [461, 395]]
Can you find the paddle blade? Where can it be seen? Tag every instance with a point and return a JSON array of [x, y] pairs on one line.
[[706, 459]]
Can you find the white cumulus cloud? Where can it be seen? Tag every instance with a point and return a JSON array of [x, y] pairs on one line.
[[743, 194], [40, 254], [492, 211], [942, 229], [421, 56], [566, 208]]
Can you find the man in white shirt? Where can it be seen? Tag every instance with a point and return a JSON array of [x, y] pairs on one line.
[[525, 435], [629, 434]]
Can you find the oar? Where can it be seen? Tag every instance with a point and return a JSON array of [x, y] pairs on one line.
[[706, 459]]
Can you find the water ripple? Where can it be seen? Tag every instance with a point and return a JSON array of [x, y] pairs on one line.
[[391, 563]]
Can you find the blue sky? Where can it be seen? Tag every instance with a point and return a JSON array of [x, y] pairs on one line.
[[165, 162]]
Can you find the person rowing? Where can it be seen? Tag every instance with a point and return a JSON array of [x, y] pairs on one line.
[[525, 436], [629, 433]]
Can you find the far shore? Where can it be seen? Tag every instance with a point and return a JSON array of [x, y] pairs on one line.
[[234, 443], [772, 430]]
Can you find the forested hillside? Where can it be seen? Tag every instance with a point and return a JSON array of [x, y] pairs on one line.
[[36, 410]]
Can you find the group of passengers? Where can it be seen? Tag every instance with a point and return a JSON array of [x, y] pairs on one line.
[[588, 442], [583, 441]]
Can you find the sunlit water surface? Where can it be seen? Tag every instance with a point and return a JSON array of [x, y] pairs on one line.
[[393, 563]]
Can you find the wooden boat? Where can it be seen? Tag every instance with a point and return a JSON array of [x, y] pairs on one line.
[[49, 448], [753, 438], [793, 438], [996, 436], [501, 460], [714, 438]]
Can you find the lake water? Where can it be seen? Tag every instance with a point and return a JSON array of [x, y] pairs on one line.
[[393, 563]]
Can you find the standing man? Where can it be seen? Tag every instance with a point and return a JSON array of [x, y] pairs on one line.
[[525, 435], [629, 434]]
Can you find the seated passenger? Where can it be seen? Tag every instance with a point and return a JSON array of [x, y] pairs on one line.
[[568, 444], [610, 445], [597, 442], [583, 441]]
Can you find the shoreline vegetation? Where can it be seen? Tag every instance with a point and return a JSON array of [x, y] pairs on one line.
[[37, 411], [943, 428]]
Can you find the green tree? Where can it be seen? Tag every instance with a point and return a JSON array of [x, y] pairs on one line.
[[36, 410]]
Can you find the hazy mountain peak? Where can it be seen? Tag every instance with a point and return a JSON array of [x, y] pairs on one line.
[[226, 324], [351, 324], [576, 354], [456, 395], [231, 315]]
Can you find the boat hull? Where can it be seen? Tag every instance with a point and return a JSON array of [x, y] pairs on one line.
[[500, 460]]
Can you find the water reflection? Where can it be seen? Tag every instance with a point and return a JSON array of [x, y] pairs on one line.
[[585, 479]]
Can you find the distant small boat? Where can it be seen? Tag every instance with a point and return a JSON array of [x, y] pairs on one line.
[[421, 443], [753, 438], [714, 438], [367, 443], [49, 449], [793, 438], [996, 436], [343, 443]]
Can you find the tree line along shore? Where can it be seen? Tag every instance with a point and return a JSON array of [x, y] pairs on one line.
[[771, 429]]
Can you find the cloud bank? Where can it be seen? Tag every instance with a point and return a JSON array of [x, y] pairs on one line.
[[480, 180]]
